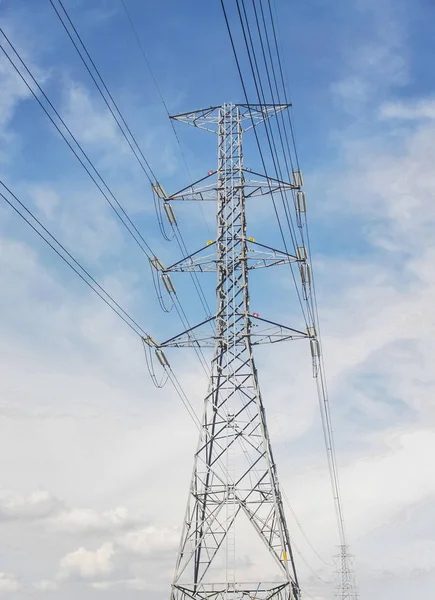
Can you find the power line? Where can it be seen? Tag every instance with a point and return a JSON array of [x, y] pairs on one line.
[[78, 268], [310, 299], [298, 523], [239, 70], [255, 70], [93, 284], [159, 91], [120, 211], [321, 379], [176, 230], [120, 118], [136, 236], [135, 148], [281, 62], [281, 119]]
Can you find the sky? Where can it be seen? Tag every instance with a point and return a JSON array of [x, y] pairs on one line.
[[95, 461]]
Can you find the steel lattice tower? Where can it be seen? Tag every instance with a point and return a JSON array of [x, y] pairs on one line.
[[234, 475], [346, 588]]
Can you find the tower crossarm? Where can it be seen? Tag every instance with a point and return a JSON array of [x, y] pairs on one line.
[[196, 191], [209, 118], [203, 260], [208, 192], [262, 331], [266, 185], [200, 335], [271, 332], [258, 256]]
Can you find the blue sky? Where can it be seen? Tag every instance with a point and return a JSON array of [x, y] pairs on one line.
[[85, 438]]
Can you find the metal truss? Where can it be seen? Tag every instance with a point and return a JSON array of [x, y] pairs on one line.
[[258, 256], [209, 118], [263, 591], [204, 335], [208, 192], [234, 476], [346, 590]]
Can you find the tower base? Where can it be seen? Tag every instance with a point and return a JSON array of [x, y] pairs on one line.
[[238, 591]]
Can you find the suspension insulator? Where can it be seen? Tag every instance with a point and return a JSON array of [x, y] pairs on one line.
[[159, 191], [298, 180], [157, 264], [311, 331], [167, 282], [305, 270], [149, 341], [301, 203], [161, 357], [302, 253], [169, 213], [315, 348]]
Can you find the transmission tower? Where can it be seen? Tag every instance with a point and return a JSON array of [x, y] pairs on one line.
[[346, 588], [234, 476]]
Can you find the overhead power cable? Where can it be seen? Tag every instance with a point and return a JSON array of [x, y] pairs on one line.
[[245, 93], [39, 228], [77, 150], [286, 132], [286, 136], [281, 64], [302, 530], [321, 379], [108, 98], [271, 75], [260, 90], [69, 259], [105, 93], [87, 164], [164, 103], [176, 229], [156, 84]]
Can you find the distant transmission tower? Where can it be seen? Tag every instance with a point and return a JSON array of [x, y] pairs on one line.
[[346, 588], [234, 487]]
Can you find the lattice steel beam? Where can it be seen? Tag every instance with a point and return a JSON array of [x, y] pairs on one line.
[[234, 472]]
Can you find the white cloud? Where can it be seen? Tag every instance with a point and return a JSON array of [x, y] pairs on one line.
[[43, 505], [46, 199], [9, 584], [89, 120], [150, 540], [14, 90], [45, 585], [80, 520], [416, 110], [87, 564], [375, 63], [132, 584], [40, 504]]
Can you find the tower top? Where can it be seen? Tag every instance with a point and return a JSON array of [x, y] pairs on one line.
[[208, 118]]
